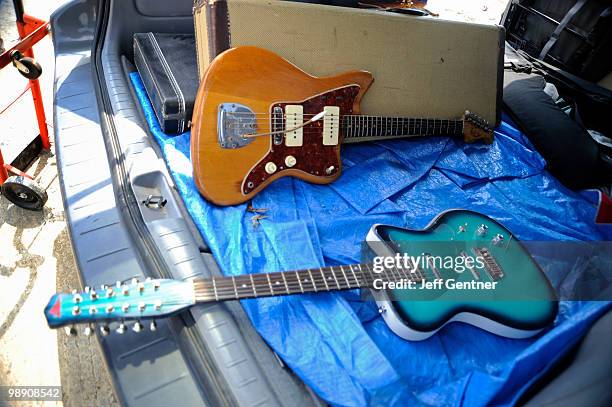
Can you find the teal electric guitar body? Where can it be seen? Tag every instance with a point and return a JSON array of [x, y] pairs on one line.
[[420, 279], [521, 303]]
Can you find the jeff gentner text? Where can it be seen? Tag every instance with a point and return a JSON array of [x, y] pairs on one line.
[[410, 265]]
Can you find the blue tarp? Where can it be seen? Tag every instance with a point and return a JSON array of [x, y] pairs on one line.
[[339, 345]]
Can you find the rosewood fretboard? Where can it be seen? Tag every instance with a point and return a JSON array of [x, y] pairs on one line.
[[358, 128], [322, 279]]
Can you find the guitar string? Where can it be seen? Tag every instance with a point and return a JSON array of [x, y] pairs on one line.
[[416, 127], [341, 115], [228, 287], [206, 292], [360, 120], [370, 131], [290, 278], [267, 288]]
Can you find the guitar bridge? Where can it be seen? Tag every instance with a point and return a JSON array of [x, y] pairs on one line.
[[490, 264], [233, 122]]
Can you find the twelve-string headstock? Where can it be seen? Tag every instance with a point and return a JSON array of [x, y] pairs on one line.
[[134, 301], [475, 128]]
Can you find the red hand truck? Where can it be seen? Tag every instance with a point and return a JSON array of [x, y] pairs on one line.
[[20, 188]]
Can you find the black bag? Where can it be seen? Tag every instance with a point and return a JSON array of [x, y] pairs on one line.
[[168, 68], [561, 136]]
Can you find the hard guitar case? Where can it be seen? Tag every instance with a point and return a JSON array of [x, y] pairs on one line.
[[423, 66], [167, 65]]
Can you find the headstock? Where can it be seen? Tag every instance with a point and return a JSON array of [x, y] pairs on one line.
[[122, 302], [475, 128]]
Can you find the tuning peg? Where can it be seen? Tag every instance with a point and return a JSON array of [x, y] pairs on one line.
[[77, 298], [153, 326], [76, 310], [118, 284], [141, 306], [125, 290], [125, 306], [158, 305], [156, 284], [134, 280], [70, 330], [104, 329], [87, 289], [121, 328], [109, 292], [87, 331], [93, 310], [141, 287], [137, 327], [109, 309], [93, 295]]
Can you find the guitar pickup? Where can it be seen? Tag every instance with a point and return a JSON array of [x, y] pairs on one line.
[[278, 125], [431, 264], [416, 271], [294, 117], [490, 264], [472, 270], [331, 125]]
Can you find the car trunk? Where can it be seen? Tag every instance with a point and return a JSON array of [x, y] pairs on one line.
[[211, 355]]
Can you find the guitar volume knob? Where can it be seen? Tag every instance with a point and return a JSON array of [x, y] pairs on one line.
[[482, 230], [498, 239], [270, 168], [290, 161]]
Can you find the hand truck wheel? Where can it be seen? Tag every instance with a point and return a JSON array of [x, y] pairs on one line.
[[24, 192], [26, 66]]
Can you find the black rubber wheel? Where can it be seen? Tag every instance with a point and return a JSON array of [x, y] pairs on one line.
[[30, 69], [24, 192]]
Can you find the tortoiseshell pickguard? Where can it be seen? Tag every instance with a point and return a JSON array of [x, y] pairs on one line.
[[312, 157]]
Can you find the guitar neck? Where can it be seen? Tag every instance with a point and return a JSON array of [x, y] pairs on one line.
[[358, 128], [332, 278]]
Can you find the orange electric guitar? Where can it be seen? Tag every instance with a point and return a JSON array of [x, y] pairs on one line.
[[257, 118]]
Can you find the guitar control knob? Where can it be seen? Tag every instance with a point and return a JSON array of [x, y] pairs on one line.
[[498, 239], [482, 230], [270, 168], [290, 161]]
